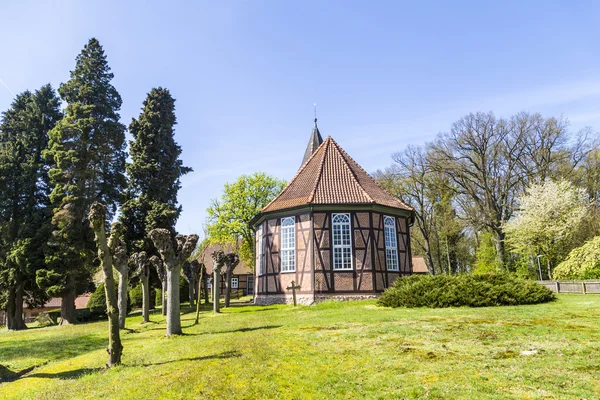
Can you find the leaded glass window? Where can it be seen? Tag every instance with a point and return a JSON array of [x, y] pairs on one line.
[[391, 244], [342, 241], [288, 244]]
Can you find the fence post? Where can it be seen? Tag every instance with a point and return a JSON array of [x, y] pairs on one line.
[[583, 287], [557, 286]]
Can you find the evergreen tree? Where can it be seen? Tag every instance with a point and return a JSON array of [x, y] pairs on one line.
[[88, 149], [155, 172], [24, 204]]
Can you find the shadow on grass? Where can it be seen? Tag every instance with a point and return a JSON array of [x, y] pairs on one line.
[[250, 329], [74, 374], [6, 375], [227, 354]]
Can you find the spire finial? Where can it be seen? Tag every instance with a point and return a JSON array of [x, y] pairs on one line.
[[315, 105]]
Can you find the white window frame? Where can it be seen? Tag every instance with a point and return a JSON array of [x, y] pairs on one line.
[[342, 259], [391, 243], [260, 250], [287, 235], [235, 283]]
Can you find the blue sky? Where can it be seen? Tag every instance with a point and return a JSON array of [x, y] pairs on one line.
[[246, 73]]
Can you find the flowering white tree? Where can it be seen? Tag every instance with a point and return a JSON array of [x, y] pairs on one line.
[[549, 217]]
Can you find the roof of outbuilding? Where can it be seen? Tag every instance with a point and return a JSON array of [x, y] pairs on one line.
[[331, 176], [206, 257]]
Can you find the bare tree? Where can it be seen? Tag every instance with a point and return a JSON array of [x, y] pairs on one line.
[[142, 269], [173, 251], [97, 219], [231, 261]]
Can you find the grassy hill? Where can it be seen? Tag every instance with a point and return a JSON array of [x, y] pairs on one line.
[[332, 350]]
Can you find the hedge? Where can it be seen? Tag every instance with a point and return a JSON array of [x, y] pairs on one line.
[[471, 290]]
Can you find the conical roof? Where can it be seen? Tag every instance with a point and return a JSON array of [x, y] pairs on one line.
[[313, 144], [331, 176]]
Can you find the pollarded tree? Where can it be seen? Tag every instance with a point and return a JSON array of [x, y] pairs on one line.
[[159, 267], [191, 273], [24, 203], [549, 217], [120, 262], [141, 265], [229, 217], [231, 261], [174, 252], [87, 147], [97, 217]]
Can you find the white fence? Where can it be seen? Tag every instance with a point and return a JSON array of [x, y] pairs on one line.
[[581, 287]]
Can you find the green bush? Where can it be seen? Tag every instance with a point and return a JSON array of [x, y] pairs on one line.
[[137, 297], [97, 302], [582, 263], [472, 290], [184, 294]]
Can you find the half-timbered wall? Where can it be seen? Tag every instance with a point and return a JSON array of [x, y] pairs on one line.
[[369, 273]]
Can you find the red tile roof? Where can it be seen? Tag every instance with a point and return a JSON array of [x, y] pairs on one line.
[[331, 176]]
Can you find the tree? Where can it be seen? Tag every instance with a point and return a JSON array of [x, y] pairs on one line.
[[231, 261], [142, 269], [97, 217], [120, 262], [173, 251], [582, 262], [24, 202], [229, 217], [549, 217], [490, 161], [155, 171], [87, 150], [191, 273], [159, 267]]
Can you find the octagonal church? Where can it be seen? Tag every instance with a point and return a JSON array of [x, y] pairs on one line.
[[333, 231]]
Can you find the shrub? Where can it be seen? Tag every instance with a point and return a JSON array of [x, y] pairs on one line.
[[97, 302], [582, 263], [472, 290], [137, 297]]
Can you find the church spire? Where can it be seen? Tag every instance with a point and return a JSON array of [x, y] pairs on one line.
[[313, 144]]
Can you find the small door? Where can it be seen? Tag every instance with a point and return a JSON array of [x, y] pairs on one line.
[[250, 285]]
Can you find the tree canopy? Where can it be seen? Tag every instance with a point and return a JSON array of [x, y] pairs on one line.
[[229, 217]]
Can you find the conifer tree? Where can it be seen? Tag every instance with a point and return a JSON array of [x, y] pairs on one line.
[[155, 171], [88, 149], [24, 204]]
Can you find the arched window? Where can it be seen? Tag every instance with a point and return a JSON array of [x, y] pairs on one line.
[[391, 243], [342, 241], [260, 250], [288, 244]]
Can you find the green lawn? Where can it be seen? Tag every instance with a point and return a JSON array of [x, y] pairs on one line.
[[332, 350]]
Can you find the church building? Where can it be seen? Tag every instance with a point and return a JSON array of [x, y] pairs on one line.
[[333, 231]]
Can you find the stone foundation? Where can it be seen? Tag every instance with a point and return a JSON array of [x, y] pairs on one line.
[[307, 299], [265, 300]]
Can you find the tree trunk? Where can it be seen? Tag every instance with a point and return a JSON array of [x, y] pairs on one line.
[[198, 301], [10, 308], [430, 265], [227, 286], [173, 317], [500, 248], [549, 269], [145, 298], [115, 348], [216, 290], [192, 292], [123, 285], [205, 288], [67, 308], [163, 292], [18, 323]]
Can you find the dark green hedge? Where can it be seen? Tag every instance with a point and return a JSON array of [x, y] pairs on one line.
[[472, 290], [97, 302]]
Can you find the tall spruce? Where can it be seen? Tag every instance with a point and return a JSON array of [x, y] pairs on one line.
[[154, 173], [24, 204], [88, 149]]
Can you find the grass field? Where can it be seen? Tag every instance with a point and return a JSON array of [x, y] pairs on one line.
[[332, 350]]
